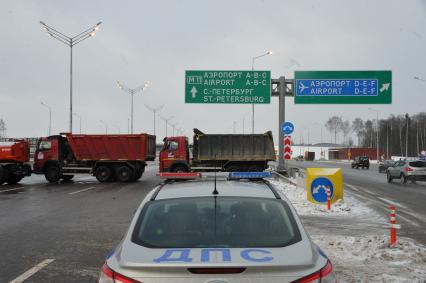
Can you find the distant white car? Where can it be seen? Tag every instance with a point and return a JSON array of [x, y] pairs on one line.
[[234, 231]]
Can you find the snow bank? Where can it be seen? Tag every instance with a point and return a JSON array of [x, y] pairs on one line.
[[297, 196], [370, 259]]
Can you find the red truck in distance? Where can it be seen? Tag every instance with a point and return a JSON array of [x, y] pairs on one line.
[[217, 152], [14, 158], [107, 157]]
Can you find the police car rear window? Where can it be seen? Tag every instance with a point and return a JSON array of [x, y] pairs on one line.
[[233, 222]]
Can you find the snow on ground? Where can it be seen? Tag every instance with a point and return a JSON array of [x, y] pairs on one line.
[[370, 259], [297, 196], [363, 258]]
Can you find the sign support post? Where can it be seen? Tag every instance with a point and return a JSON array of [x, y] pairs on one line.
[[282, 164], [281, 88]]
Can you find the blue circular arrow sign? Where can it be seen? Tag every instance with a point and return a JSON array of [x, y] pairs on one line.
[[319, 189], [287, 128]]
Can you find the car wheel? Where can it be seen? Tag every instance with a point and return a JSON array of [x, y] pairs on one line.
[[403, 179], [367, 167], [103, 173], [124, 173], [52, 174], [389, 177], [413, 181]]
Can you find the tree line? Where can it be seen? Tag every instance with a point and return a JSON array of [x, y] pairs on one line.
[[398, 135]]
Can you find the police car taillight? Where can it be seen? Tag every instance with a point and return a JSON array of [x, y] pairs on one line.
[[324, 275], [107, 275]]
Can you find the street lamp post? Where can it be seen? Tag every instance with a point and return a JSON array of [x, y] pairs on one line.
[[154, 110], [167, 121], [132, 92], [50, 115], [252, 68], [71, 41], [106, 126], [377, 132]]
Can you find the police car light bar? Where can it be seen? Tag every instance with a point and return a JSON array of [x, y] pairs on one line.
[[249, 175], [171, 175]]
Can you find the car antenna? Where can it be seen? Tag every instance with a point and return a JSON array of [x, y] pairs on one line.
[[215, 192]]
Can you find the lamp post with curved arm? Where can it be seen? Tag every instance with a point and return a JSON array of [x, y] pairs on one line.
[[71, 42]]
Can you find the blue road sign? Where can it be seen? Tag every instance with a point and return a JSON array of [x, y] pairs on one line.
[[287, 128], [319, 189], [338, 87]]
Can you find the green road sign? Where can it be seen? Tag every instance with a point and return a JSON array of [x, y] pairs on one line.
[[251, 87], [343, 87]]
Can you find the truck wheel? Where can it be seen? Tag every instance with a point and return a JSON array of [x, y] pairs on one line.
[[4, 173], [138, 174], [52, 174], [27, 169], [180, 169], [103, 173], [13, 179], [124, 173], [67, 177]]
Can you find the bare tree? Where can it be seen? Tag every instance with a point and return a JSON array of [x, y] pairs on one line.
[[358, 127], [333, 125], [345, 127]]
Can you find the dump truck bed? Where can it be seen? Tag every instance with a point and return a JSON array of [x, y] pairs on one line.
[[112, 147], [233, 147]]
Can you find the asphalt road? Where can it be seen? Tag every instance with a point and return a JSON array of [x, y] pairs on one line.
[[74, 223], [372, 188], [77, 223]]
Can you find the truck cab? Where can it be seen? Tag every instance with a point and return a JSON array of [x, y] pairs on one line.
[[50, 151], [174, 156]]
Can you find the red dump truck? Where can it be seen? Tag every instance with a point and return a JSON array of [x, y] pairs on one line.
[[217, 152], [107, 157], [14, 158]]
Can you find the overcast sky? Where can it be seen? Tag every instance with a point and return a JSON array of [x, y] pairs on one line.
[[159, 40]]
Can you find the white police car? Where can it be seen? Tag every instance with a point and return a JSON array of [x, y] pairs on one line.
[[209, 231]]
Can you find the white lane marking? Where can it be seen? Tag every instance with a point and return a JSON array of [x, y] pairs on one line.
[[30, 272], [392, 202], [83, 190], [388, 202], [10, 190]]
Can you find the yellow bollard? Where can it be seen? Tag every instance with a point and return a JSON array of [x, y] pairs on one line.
[[318, 180]]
